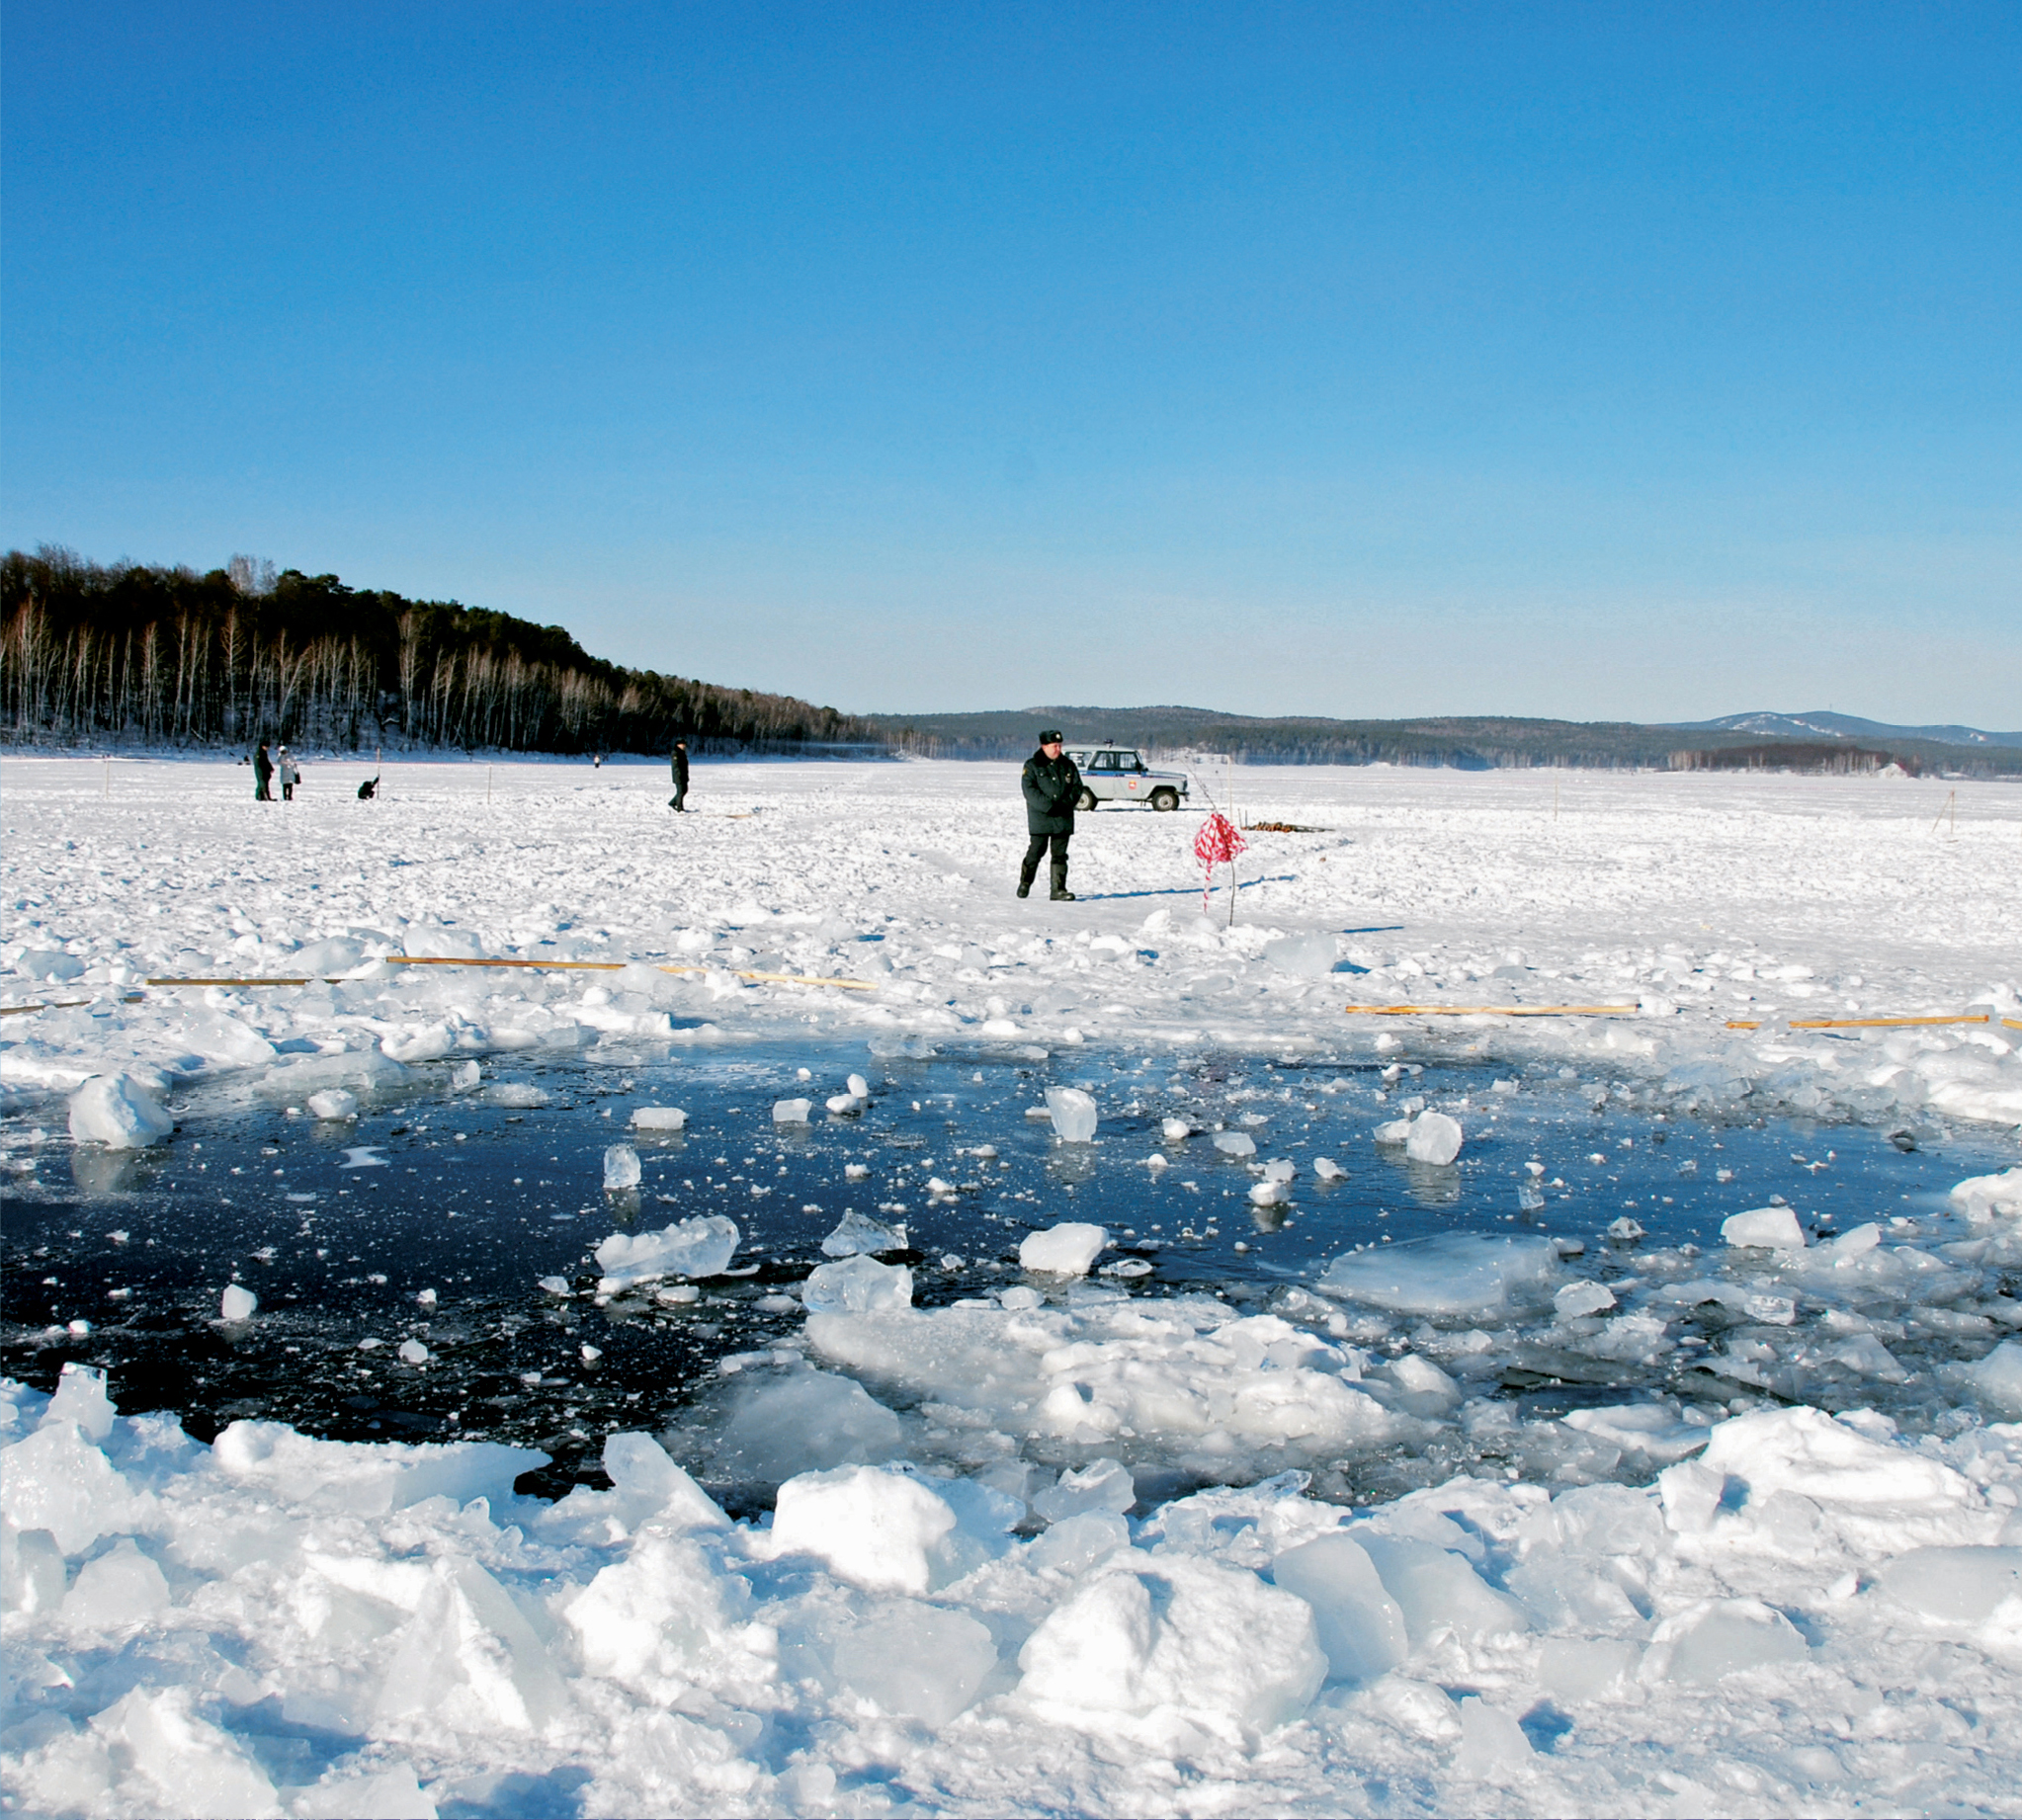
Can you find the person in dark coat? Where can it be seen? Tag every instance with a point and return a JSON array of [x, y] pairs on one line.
[[1051, 784], [263, 775], [678, 802]]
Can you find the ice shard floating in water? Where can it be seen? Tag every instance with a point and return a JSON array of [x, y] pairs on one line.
[[1455, 1273], [700, 1247]]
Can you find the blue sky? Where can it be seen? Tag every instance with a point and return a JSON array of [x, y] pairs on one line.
[[1612, 361]]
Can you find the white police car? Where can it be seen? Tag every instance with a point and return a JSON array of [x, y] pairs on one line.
[[1118, 774]]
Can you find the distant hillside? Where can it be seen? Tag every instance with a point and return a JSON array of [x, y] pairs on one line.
[[1467, 742], [1849, 727], [165, 656]]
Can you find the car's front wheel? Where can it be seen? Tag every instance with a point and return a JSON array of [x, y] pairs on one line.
[[1164, 800], [1086, 800]]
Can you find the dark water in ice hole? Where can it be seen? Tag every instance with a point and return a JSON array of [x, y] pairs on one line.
[[478, 1201]]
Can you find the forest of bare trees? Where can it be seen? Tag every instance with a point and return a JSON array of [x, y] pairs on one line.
[[168, 657]]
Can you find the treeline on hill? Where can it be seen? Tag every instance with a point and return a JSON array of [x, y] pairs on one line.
[[165, 656], [1797, 755], [1469, 744], [1461, 742]]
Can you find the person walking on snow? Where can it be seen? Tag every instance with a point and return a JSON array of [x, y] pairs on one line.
[[678, 802], [1051, 784], [263, 775], [291, 775]]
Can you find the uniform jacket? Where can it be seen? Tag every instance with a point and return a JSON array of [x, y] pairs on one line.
[[679, 760], [1052, 787]]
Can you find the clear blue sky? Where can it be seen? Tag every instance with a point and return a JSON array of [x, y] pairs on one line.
[[1645, 362]]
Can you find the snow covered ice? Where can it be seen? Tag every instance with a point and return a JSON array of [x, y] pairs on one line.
[[1383, 1491]]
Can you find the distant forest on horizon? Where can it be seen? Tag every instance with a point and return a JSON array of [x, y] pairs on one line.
[[137, 654], [149, 655]]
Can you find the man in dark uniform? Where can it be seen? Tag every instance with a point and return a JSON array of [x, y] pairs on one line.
[[678, 802], [1052, 786], [263, 775]]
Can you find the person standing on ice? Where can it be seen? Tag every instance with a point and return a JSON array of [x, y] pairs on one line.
[[263, 775], [1052, 782], [678, 802], [289, 776]]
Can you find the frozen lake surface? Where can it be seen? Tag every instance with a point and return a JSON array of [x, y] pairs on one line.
[[1660, 1452]]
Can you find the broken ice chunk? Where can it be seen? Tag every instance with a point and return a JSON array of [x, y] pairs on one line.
[[700, 1247], [1327, 1169], [1420, 1378], [621, 1167], [118, 1111], [554, 1286], [1267, 1194], [1360, 1627], [1073, 1115], [1189, 1637], [857, 1235], [859, 1086], [1175, 1130], [1077, 1543], [81, 1398], [333, 1103], [1493, 1746], [1716, 1637], [1439, 1593], [1065, 1250], [844, 1104], [1461, 1272], [1576, 1669], [1980, 1198], [1235, 1143], [1105, 1485], [790, 1111], [878, 1529], [464, 1077], [1649, 1429], [658, 1118], [1958, 1586], [1769, 1228], [1434, 1139], [921, 1661], [237, 1302], [1306, 956], [1996, 1380], [1580, 1298], [1392, 1132], [413, 1352], [858, 1286]]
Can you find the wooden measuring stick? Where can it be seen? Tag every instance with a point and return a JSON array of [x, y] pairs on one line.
[[1492, 1011]]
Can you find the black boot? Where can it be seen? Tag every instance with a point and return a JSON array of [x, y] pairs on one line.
[[1060, 893], [1024, 874]]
